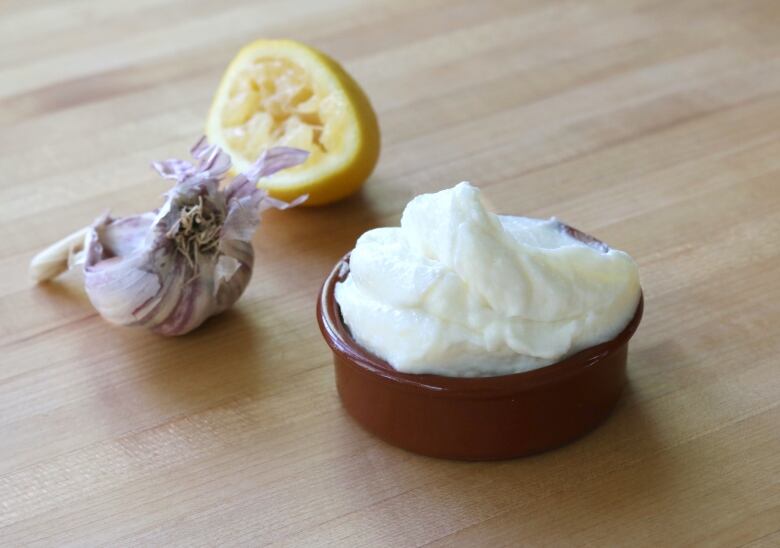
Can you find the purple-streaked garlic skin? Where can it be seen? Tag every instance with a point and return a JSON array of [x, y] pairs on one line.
[[170, 269]]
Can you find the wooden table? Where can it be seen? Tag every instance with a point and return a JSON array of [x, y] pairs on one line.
[[654, 124]]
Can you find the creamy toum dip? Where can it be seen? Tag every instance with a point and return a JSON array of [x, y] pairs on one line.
[[459, 291]]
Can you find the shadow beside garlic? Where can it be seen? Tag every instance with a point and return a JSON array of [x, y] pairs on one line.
[[218, 362]]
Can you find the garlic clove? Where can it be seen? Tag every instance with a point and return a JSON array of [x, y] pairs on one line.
[[53, 261]]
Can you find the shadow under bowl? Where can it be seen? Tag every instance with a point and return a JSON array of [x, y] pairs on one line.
[[474, 418]]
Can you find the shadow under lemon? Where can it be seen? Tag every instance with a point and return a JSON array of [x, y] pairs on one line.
[[319, 236]]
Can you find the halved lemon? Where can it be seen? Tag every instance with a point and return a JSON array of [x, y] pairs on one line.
[[284, 93]]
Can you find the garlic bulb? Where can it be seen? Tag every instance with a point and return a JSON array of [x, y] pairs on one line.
[[170, 269]]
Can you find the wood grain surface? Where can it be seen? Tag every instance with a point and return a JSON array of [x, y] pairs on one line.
[[653, 124]]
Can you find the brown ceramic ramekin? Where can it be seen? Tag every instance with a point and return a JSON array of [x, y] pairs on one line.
[[483, 418]]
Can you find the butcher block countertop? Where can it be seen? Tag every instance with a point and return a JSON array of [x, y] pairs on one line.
[[651, 124]]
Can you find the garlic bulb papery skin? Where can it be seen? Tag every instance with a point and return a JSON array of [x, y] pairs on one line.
[[170, 269]]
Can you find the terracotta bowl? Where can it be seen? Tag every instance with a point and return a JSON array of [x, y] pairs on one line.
[[483, 418]]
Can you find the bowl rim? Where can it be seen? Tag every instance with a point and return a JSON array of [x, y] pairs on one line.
[[344, 345]]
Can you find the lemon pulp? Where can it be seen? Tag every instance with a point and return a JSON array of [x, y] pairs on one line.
[[282, 93]]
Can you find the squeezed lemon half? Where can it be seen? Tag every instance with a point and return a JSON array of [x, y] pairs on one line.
[[284, 93]]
